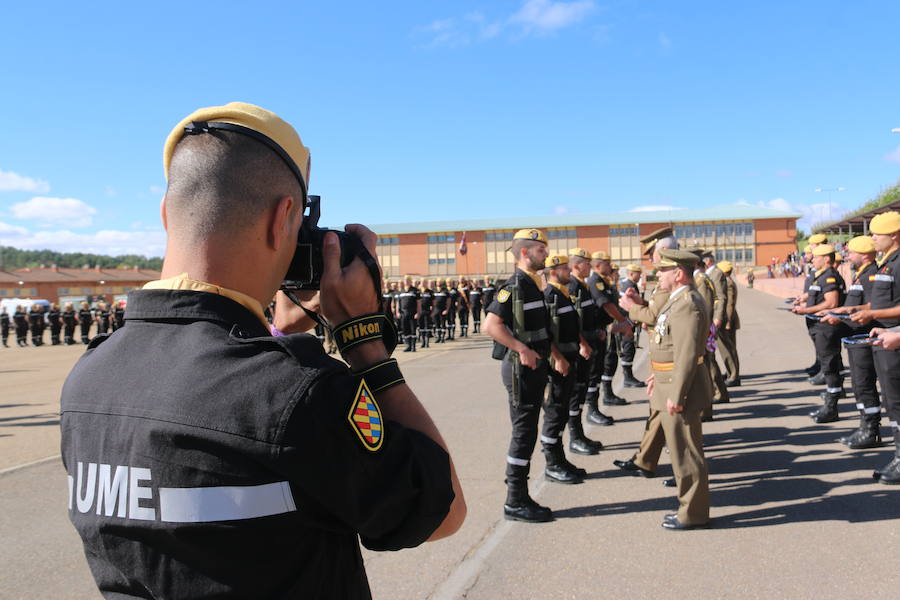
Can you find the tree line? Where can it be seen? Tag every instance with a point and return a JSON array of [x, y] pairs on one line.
[[15, 258]]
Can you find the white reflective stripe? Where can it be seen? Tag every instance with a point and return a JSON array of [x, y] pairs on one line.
[[519, 462], [587, 302], [860, 406], [565, 309], [226, 503], [488, 289], [884, 277], [815, 288], [872, 410], [440, 295], [406, 295], [625, 364], [855, 288], [832, 390], [574, 413], [533, 305], [606, 378], [591, 389], [894, 425], [549, 440]]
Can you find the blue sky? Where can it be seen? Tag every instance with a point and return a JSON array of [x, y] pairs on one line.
[[437, 110]]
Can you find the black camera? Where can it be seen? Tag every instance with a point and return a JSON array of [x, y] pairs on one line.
[[305, 272]]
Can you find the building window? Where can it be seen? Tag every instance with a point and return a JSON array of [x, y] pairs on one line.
[[441, 254], [62, 291], [388, 249], [624, 245], [498, 258], [561, 240], [731, 241], [87, 291]]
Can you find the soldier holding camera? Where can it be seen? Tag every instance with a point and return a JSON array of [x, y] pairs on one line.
[[256, 464]]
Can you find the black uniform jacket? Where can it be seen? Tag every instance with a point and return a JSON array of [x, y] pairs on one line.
[[579, 291], [824, 281], [860, 292], [537, 318], [602, 293], [568, 332], [206, 459], [886, 288]]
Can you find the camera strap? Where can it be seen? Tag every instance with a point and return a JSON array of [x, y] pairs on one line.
[[388, 330]]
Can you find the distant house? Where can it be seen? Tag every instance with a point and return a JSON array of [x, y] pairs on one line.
[[61, 285]]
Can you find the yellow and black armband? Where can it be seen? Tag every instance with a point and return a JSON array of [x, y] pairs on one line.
[[365, 328], [382, 375]]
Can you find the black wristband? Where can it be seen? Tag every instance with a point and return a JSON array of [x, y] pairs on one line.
[[382, 375], [365, 328]]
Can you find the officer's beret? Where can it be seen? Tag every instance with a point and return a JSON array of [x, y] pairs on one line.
[[659, 234], [807, 249], [579, 252], [862, 244], [725, 266], [817, 238], [634, 268], [823, 250], [885, 223], [670, 257], [535, 235], [275, 133], [600, 255], [554, 260], [838, 257], [614, 267]]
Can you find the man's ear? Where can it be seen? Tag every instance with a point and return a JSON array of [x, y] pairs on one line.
[[281, 222], [162, 214]]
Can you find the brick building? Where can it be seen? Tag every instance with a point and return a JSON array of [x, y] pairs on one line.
[[61, 285], [745, 235]]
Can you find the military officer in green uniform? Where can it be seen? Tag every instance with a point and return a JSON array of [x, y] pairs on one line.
[[679, 385], [730, 326], [708, 292]]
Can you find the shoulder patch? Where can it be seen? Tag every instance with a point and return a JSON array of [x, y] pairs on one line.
[[365, 418], [600, 286], [830, 280], [871, 278], [503, 296]]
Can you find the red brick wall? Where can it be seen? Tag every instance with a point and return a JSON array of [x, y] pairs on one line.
[[774, 237], [413, 254], [475, 260], [593, 238]]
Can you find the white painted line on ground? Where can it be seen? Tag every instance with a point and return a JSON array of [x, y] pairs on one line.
[[465, 575], [33, 463]]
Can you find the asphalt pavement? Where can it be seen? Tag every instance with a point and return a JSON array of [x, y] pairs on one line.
[[795, 514]]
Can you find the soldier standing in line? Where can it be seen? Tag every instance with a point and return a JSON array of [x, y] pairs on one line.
[[475, 305], [36, 322], [729, 328], [565, 328], [103, 318], [85, 320], [815, 370], [580, 267], [70, 318], [862, 362], [54, 317], [825, 293], [425, 310], [678, 392], [706, 289], [487, 293], [628, 286], [883, 311], [463, 307], [20, 320], [410, 304], [387, 300], [118, 316], [606, 297], [439, 315], [4, 326], [519, 323], [452, 304]]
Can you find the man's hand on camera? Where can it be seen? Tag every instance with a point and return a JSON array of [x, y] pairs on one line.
[[290, 318]]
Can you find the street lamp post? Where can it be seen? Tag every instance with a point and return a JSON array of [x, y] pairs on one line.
[[828, 191]]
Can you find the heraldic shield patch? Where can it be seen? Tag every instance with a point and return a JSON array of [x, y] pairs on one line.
[[365, 418]]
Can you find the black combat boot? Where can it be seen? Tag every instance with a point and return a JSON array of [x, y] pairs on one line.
[[630, 380], [594, 416], [409, 344], [520, 507], [812, 370], [609, 398], [450, 331], [867, 435], [412, 342], [475, 328], [579, 443], [463, 331], [817, 379], [890, 474], [829, 411], [558, 469]]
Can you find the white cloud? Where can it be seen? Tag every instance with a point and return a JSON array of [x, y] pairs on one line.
[[893, 156], [561, 210], [13, 182], [812, 214], [654, 207], [67, 211], [111, 242], [534, 17]]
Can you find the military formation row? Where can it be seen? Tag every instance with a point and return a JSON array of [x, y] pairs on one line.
[[32, 322], [860, 317]]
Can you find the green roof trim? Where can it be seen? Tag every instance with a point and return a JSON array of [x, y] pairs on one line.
[[716, 213]]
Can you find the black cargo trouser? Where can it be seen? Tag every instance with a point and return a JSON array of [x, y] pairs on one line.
[[862, 378], [425, 321], [85, 331], [523, 415], [408, 324], [828, 350], [611, 360], [595, 372], [556, 407], [463, 317], [55, 328], [476, 314], [887, 365], [628, 349]]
